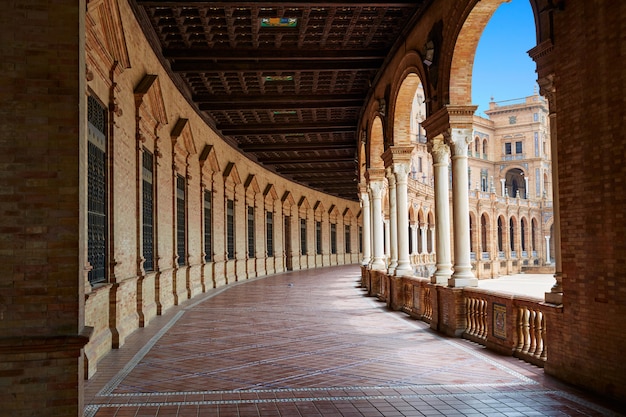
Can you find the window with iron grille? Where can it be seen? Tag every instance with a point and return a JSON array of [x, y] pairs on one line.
[[147, 192], [348, 238], [208, 227], [269, 231], [333, 238], [181, 235], [318, 237], [303, 243], [230, 228], [97, 217], [251, 244]]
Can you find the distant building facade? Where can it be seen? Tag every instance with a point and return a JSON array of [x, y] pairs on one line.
[[509, 186]]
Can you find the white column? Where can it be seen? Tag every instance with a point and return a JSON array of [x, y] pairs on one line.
[[387, 242], [548, 260], [401, 172], [376, 188], [526, 190], [365, 203], [414, 239], [463, 275], [441, 153], [433, 238], [393, 223], [424, 238], [503, 186]]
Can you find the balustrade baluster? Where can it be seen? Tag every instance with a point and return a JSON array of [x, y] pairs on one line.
[[544, 349], [483, 320], [525, 329], [532, 324], [539, 340]]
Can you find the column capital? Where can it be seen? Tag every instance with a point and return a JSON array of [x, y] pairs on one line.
[[459, 139], [440, 151], [377, 188]]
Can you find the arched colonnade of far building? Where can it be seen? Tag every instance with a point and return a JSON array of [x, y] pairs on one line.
[[509, 195], [133, 204]]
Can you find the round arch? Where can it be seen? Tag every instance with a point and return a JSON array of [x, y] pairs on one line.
[[459, 49], [407, 80]]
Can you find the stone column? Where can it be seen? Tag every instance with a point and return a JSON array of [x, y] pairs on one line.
[[441, 153], [463, 275], [376, 189], [526, 190], [387, 241], [548, 260], [392, 236], [367, 242], [401, 172], [503, 186], [414, 228], [424, 229]]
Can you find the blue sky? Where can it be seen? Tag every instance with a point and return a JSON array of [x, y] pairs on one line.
[[502, 68]]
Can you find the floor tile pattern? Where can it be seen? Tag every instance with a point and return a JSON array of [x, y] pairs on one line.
[[310, 343]]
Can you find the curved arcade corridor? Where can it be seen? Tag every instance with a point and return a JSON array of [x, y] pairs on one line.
[[309, 343]]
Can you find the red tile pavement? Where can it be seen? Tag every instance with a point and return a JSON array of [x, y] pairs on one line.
[[310, 343]]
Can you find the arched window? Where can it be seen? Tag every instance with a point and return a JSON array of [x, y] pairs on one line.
[[512, 233], [483, 234], [500, 235], [533, 235], [485, 148], [523, 234]]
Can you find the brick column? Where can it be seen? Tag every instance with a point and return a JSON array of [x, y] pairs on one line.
[[42, 226]]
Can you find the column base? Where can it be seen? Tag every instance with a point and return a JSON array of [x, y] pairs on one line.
[[378, 265], [463, 282], [554, 298], [403, 270]]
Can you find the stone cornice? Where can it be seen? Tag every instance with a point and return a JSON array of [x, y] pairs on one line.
[[375, 174], [447, 117], [46, 344], [396, 154]]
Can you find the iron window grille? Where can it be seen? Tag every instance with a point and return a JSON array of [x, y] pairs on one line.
[[147, 186], [181, 235], [97, 218]]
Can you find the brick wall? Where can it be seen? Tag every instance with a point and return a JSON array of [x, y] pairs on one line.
[[590, 84]]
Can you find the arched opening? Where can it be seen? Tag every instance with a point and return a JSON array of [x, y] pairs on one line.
[[484, 233], [533, 236], [512, 230], [409, 112], [523, 230], [376, 145], [500, 234], [515, 184]]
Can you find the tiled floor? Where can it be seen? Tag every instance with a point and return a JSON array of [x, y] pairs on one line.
[[310, 343]]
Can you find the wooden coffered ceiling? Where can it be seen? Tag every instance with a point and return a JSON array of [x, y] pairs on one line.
[[288, 93]]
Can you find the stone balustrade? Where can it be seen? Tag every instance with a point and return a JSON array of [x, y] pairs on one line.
[[510, 324]]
